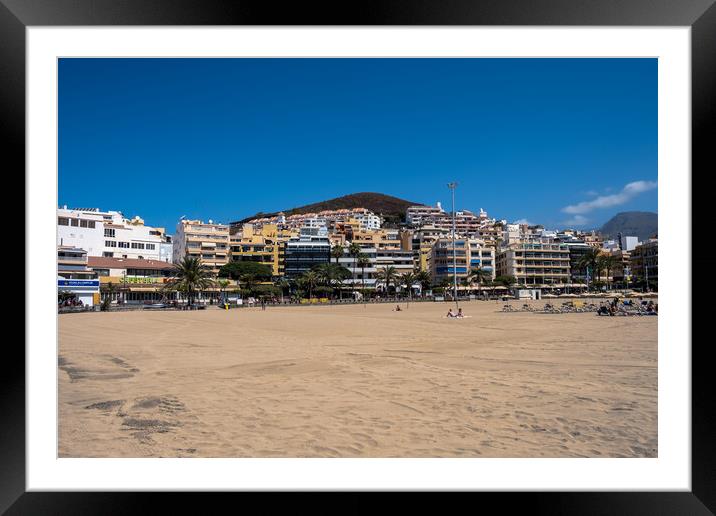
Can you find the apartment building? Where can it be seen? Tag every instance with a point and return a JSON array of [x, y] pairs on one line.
[[380, 238], [470, 253], [208, 241], [444, 264], [110, 234], [310, 248], [263, 244], [538, 262], [644, 261]]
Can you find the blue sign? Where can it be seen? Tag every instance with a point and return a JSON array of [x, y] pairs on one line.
[[78, 283]]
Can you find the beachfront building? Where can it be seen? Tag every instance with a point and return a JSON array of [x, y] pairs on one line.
[[75, 281], [380, 238], [132, 281], [360, 278], [263, 244], [537, 262], [482, 257], [576, 249], [645, 262], [470, 253], [310, 248], [208, 241], [110, 234], [443, 265]]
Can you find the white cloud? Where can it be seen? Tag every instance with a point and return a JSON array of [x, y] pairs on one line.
[[607, 201], [523, 221], [577, 220]]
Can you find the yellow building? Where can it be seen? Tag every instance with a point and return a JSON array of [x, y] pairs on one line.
[[210, 242], [263, 245]]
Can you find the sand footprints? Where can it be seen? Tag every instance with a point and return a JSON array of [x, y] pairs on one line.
[[147, 416], [103, 367]]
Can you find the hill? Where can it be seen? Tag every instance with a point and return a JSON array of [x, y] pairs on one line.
[[642, 224], [391, 208]]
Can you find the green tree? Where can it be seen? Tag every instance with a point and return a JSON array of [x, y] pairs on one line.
[[409, 279], [332, 275], [283, 284], [190, 276], [354, 251], [588, 262], [223, 284], [309, 280], [235, 270], [387, 276], [609, 263], [506, 281], [337, 252], [425, 281], [363, 262], [480, 276]]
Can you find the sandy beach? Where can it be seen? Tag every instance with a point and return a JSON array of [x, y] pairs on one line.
[[355, 381]]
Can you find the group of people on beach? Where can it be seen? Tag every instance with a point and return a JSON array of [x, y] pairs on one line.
[[453, 314], [612, 308]]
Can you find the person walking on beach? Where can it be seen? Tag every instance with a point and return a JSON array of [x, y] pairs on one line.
[[263, 304]]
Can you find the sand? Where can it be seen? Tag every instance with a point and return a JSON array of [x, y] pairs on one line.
[[355, 381]]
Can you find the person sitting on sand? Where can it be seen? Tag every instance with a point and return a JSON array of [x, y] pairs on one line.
[[459, 313], [450, 313], [397, 308]]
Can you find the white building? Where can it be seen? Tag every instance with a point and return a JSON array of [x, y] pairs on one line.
[[110, 234], [628, 243]]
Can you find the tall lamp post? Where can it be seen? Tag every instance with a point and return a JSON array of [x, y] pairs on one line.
[[452, 187]]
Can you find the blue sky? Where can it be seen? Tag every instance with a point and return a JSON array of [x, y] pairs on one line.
[[553, 141]]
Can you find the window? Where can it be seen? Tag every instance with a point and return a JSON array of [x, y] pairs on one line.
[[141, 257], [63, 221], [110, 243], [123, 244], [84, 223], [107, 254], [75, 222], [108, 232], [150, 246], [137, 245]]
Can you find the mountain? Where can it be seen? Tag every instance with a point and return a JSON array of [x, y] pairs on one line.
[[391, 208], [642, 224]]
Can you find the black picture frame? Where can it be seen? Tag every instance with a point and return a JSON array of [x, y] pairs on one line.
[[700, 15]]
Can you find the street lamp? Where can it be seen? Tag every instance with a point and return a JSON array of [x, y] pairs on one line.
[[452, 187]]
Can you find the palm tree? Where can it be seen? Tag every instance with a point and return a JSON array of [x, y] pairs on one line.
[[387, 276], [190, 276], [480, 276], [423, 277], [589, 261], [409, 279], [283, 284], [309, 279], [337, 252], [332, 275], [363, 262], [609, 263], [223, 283], [249, 280], [354, 251]]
